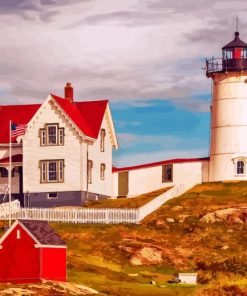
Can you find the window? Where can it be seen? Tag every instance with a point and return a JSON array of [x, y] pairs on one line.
[[18, 234], [4, 172], [244, 54], [52, 195], [102, 140], [102, 171], [52, 171], [51, 135], [240, 167], [43, 137], [227, 54], [167, 173], [61, 136], [89, 170]]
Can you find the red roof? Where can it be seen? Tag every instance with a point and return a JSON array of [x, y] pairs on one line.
[[87, 116], [15, 158], [18, 114], [170, 161]]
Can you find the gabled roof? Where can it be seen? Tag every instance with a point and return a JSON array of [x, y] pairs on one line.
[[158, 163], [42, 231], [236, 42], [39, 231], [87, 116]]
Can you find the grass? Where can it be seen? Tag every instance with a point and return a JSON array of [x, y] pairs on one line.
[[99, 255], [134, 202]]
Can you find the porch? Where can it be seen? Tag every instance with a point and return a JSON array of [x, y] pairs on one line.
[[16, 177]]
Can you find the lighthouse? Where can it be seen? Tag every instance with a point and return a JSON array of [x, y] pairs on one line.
[[228, 139]]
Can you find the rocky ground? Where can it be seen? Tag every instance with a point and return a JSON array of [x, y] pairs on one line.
[[202, 231]]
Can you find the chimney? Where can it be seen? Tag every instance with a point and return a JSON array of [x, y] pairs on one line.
[[68, 92]]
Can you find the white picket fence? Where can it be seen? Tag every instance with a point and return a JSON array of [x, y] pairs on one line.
[[13, 207], [85, 215], [96, 215]]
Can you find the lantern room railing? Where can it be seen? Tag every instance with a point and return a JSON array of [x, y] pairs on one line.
[[224, 65]]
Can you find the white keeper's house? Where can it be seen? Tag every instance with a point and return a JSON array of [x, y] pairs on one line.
[[65, 156]]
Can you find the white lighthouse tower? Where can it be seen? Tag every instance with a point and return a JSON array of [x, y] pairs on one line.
[[228, 146]]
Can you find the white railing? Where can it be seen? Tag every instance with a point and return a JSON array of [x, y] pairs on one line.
[[3, 188], [85, 215], [14, 207], [177, 190]]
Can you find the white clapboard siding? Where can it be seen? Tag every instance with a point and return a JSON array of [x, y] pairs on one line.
[[85, 215]]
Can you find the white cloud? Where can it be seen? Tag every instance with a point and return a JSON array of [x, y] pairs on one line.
[[130, 50]]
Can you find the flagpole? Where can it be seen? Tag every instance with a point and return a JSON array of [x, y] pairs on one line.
[[10, 169]]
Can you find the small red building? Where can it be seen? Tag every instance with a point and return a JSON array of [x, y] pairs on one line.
[[31, 251]]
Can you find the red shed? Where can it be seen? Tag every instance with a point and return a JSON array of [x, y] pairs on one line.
[[31, 251]]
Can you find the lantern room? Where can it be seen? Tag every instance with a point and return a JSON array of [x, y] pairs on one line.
[[236, 49], [234, 58]]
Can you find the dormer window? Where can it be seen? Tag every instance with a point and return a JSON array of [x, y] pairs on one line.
[[52, 135]]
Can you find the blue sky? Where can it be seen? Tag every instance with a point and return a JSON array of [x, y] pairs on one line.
[[145, 56], [160, 130]]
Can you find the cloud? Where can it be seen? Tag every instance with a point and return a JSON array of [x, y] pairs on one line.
[[126, 51]]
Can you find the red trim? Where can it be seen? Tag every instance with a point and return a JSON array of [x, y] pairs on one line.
[[170, 161], [15, 158]]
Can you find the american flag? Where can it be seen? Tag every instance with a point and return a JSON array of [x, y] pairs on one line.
[[18, 129]]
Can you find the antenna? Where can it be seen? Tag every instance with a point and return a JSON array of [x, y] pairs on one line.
[[236, 24]]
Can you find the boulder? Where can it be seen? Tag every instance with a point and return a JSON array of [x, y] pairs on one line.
[[177, 208], [229, 215], [146, 256], [170, 220]]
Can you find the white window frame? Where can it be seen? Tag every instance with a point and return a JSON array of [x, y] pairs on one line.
[[49, 195], [236, 161], [102, 171], [60, 136], [48, 135], [59, 167], [102, 139], [43, 137]]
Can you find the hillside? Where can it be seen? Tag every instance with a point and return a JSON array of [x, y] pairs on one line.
[[122, 259]]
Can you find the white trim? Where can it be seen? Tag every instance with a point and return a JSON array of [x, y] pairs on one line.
[[6, 234], [78, 130], [28, 232], [50, 246], [112, 127]]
